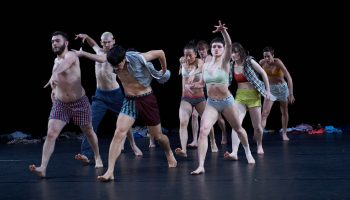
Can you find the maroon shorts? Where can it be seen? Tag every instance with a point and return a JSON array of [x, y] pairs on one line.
[[146, 106]]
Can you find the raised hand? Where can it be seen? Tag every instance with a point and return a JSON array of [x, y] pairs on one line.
[[81, 36], [220, 27]]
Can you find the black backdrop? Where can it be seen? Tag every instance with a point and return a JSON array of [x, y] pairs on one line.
[[308, 39]]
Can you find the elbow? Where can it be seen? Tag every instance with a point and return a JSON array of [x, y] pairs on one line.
[[161, 53]]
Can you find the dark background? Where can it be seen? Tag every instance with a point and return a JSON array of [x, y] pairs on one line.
[[311, 40]]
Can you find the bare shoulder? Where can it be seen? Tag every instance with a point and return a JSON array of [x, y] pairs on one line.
[[205, 65], [199, 61], [208, 58], [278, 62], [100, 52], [71, 55]]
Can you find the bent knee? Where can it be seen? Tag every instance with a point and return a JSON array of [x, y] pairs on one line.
[[184, 123], [239, 130], [52, 135]]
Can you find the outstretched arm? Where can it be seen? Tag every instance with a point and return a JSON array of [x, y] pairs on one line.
[[101, 58], [98, 57], [65, 63], [156, 54], [89, 40]]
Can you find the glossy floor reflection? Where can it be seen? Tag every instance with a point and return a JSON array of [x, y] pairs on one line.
[[307, 167]]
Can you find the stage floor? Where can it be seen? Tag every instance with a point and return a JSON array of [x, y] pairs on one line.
[[306, 167]]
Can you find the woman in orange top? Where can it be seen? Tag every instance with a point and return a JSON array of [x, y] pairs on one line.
[[277, 73]]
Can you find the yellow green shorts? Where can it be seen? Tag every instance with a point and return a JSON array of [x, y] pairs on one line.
[[248, 97]]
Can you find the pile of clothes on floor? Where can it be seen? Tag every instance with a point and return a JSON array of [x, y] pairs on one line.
[[18, 137], [314, 130]]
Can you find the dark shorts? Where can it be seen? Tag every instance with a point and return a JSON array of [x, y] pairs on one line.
[[145, 106], [79, 111], [193, 100]]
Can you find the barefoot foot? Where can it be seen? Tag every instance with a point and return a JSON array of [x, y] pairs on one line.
[[98, 163], [39, 171], [285, 137], [180, 152], [82, 158], [214, 148], [199, 170], [250, 159], [152, 143], [171, 160], [105, 178], [260, 149], [230, 156], [136, 150]]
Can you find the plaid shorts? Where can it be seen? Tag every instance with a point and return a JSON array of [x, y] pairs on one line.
[[79, 111]]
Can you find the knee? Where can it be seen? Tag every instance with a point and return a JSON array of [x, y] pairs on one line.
[[183, 123], [258, 128], [265, 114], [204, 131], [88, 131], [52, 134], [158, 137], [239, 130], [119, 135]]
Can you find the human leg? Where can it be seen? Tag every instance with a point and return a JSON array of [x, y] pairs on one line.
[[232, 115], [222, 125], [133, 145], [255, 116], [267, 105], [208, 119], [55, 127], [124, 123], [147, 107], [241, 110], [200, 107], [195, 126], [284, 119], [99, 109], [93, 141], [184, 116], [163, 141]]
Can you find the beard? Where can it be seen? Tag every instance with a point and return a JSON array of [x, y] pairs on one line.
[[59, 50]]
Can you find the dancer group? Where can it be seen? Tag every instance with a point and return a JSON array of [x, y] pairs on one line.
[[205, 93]]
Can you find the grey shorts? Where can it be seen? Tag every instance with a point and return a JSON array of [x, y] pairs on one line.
[[280, 91], [221, 104]]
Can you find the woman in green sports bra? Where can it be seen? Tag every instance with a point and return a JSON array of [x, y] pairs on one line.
[[220, 100]]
